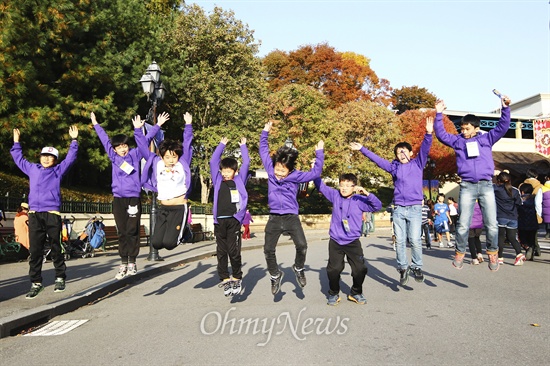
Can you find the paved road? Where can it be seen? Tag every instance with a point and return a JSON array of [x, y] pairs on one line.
[[181, 317]]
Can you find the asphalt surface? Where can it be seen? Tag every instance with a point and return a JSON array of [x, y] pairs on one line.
[[173, 313]]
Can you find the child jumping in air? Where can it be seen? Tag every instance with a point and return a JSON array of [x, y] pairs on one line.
[[44, 205], [126, 186], [283, 184], [229, 209], [345, 231], [170, 175]]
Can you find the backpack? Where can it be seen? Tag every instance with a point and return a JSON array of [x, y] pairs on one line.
[[99, 235]]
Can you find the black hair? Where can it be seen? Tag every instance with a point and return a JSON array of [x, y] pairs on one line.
[[406, 145], [170, 145], [531, 173], [452, 199], [120, 139], [470, 119], [286, 156], [349, 177], [526, 188], [229, 163], [504, 178], [441, 195]]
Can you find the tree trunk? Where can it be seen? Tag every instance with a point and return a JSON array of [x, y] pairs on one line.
[[205, 189]]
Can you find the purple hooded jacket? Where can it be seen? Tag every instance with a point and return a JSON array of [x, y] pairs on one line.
[[350, 209], [407, 178], [481, 167], [239, 179], [45, 183], [282, 193]]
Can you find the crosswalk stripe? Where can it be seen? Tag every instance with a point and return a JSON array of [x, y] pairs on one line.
[[57, 327]]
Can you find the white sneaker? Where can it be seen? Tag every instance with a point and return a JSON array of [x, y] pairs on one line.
[[237, 287], [122, 271], [132, 269]]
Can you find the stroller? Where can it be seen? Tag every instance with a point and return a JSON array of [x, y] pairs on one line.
[[91, 238], [65, 240]]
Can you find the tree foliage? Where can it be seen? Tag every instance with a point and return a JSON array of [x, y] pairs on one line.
[[213, 73], [411, 98], [62, 59], [413, 128], [342, 77]]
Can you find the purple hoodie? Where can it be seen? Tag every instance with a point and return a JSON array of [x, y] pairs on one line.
[[282, 193], [239, 179], [350, 209], [482, 166], [407, 178], [124, 185], [45, 183], [149, 174]]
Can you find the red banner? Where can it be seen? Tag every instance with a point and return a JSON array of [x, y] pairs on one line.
[[541, 132]]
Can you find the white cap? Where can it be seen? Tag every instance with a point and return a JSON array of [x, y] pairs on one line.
[[50, 151]]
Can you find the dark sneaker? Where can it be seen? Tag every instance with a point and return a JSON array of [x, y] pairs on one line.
[[237, 287], [300, 276], [276, 283], [132, 269], [227, 286], [59, 285], [404, 276], [358, 299], [418, 275], [36, 288], [530, 254], [493, 262], [333, 300], [458, 262]]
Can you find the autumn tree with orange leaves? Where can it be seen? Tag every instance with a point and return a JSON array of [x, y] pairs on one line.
[[413, 128], [342, 77]]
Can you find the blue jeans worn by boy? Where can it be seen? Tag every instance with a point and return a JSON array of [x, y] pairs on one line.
[[484, 193], [407, 224]]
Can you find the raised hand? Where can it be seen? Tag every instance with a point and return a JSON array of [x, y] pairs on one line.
[[138, 123], [188, 118], [429, 125], [355, 146], [73, 132], [243, 141], [505, 101], [16, 135], [268, 126], [440, 106], [162, 118], [320, 145], [92, 116], [224, 140]]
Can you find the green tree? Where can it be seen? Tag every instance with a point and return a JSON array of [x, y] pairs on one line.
[[62, 59], [375, 127], [212, 72], [412, 97]]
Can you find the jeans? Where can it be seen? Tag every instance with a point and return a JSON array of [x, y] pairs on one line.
[[483, 192], [426, 232], [407, 225]]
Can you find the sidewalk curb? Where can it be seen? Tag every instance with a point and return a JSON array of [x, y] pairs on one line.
[[13, 324]]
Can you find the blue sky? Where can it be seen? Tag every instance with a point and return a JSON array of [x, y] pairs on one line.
[[458, 50]]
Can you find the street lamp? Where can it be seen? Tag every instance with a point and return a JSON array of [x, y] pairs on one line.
[[155, 91], [289, 143], [430, 166]]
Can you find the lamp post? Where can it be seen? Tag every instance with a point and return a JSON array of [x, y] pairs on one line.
[[154, 89], [430, 166]]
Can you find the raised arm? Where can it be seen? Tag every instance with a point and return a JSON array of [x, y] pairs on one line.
[[187, 138], [317, 168], [245, 166], [217, 157], [264, 147], [325, 190], [426, 142], [141, 141], [382, 163], [73, 149], [17, 153]]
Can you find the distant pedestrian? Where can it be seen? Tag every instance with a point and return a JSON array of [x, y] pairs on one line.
[[426, 223], [345, 230], [283, 183], [44, 216], [366, 227], [442, 221], [453, 214], [474, 240], [246, 224], [527, 221], [545, 206], [228, 211], [508, 199]]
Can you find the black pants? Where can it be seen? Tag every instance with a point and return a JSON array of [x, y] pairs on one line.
[[335, 266], [169, 224], [528, 237], [474, 242], [275, 227], [127, 213], [44, 225], [510, 234], [228, 244], [427, 237]]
